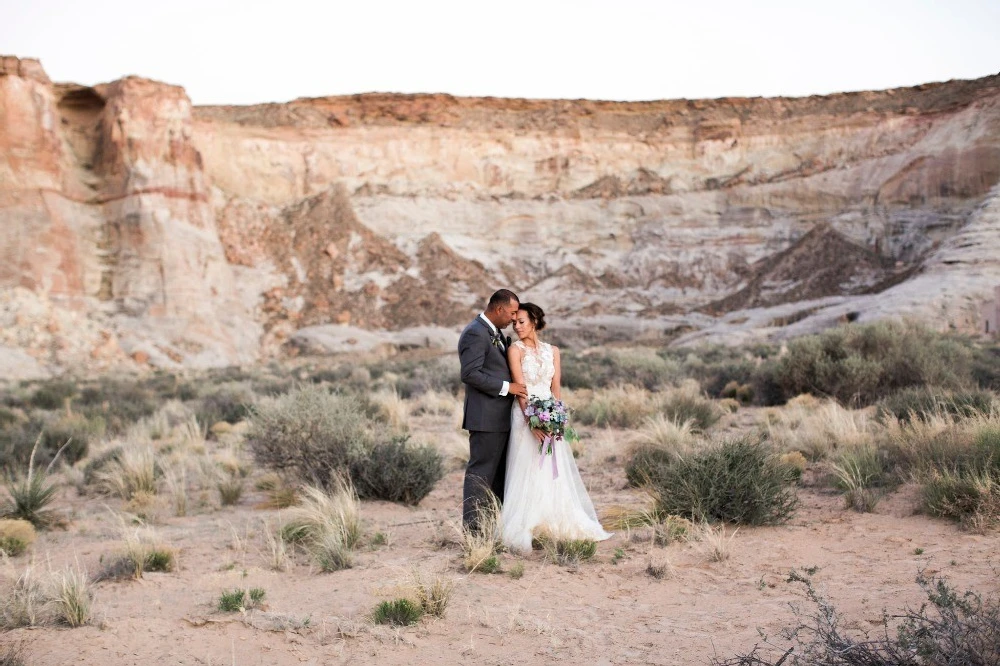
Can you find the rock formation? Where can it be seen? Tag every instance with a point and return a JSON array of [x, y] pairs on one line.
[[136, 226]]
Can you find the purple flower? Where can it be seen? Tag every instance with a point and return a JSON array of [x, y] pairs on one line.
[[544, 416]]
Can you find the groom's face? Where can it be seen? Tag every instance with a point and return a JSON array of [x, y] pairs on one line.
[[508, 313]]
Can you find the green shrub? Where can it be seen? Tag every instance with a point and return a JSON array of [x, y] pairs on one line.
[[230, 404], [636, 366], [680, 406], [53, 394], [573, 551], [399, 613], [924, 402], [618, 406], [238, 600], [121, 402], [311, 432], [16, 536], [648, 465], [737, 481], [986, 366], [859, 364], [30, 498], [970, 496], [397, 471], [76, 429]]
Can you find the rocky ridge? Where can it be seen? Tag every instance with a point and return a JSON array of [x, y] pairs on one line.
[[138, 229]]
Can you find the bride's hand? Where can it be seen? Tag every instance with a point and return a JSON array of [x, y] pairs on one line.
[[539, 435]]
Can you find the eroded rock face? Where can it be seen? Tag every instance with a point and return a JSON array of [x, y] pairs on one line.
[[209, 236], [104, 209], [637, 209]]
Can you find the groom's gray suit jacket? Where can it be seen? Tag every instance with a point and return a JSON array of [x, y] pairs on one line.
[[484, 370]]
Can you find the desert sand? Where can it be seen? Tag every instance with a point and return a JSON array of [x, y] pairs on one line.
[[607, 610]]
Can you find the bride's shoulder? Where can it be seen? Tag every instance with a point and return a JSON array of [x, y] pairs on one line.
[[553, 349]]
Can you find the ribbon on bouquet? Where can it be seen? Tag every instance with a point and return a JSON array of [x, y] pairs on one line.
[[548, 442]]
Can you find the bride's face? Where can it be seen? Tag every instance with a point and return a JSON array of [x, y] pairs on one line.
[[523, 325]]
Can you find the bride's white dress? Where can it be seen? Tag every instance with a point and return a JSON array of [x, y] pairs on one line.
[[533, 500]]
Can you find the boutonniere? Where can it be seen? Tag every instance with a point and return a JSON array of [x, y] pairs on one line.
[[496, 340]]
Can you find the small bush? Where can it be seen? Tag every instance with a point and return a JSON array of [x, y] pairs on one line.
[[76, 432], [923, 402], [860, 364], [686, 405], [969, 496], [73, 596], [236, 601], [311, 433], [120, 402], [481, 542], [432, 597], [327, 524], [737, 481], [570, 552], [128, 471], [16, 536], [399, 613], [30, 498], [618, 406], [230, 490], [53, 394], [648, 465], [951, 628], [228, 404], [397, 471]]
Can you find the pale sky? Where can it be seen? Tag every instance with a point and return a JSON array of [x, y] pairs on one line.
[[247, 51]]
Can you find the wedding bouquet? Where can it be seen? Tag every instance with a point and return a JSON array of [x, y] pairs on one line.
[[551, 417]]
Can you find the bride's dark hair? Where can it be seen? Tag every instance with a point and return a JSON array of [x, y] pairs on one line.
[[535, 314]]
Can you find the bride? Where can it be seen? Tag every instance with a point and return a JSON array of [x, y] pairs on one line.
[[542, 493]]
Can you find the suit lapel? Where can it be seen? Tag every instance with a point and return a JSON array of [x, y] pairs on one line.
[[489, 331]]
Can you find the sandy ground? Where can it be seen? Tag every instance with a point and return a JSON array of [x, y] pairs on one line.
[[606, 611]]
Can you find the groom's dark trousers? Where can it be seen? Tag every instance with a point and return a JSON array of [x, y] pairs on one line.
[[486, 414]]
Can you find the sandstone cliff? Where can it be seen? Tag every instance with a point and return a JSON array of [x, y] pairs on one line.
[[136, 226]]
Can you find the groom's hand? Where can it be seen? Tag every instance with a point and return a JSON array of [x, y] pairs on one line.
[[520, 390]]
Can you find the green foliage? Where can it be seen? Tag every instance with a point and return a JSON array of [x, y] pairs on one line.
[[681, 406], [121, 402], [397, 471], [648, 465], [570, 552], [737, 481], [638, 367], [230, 403], [234, 601], [30, 498], [159, 559], [312, 433], [970, 496], [923, 402], [53, 394], [859, 364], [399, 613]]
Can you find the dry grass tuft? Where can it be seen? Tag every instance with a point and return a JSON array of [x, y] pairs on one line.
[[480, 545], [16, 536], [328, 524], [715, 542]]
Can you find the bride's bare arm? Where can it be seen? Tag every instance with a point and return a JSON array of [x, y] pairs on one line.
[[514, 355], [557, 377]]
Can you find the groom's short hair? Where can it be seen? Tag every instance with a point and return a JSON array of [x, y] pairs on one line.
[[501, 297]]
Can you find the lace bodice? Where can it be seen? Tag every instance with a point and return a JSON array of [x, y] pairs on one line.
[[538, 368]]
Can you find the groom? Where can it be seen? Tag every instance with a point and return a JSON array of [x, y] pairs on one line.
[[482, 350]]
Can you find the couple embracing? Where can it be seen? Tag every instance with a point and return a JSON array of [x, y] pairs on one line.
[[506, 456]]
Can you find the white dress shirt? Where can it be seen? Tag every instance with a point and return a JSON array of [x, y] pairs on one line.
[[503, 348]]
